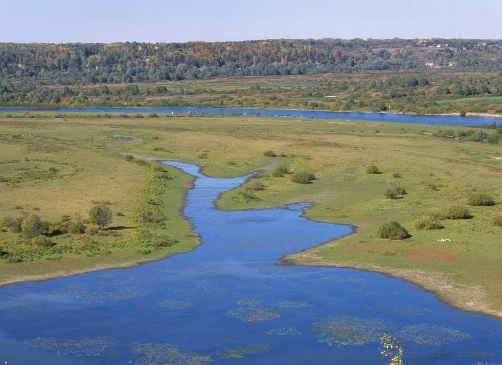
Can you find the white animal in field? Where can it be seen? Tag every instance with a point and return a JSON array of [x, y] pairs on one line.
[[444, 240]]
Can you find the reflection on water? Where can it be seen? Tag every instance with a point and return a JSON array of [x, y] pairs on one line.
[[229, 302]]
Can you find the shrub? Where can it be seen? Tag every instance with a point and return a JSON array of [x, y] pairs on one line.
[[41, 241], [280, 171], [372, 169], [248, 195], [128, 157], [302, 177], [57, 228], [100, 215], [390, 193], [157, 167], [396, 175], [394, 193], [149, 217], [153, 115], [76, 227], [91, 231], [164, 242], [497, 220], [13, 224], [138, 115], [393, 231], [269, 153], [253, 185], [32, 226], [428, 222], [28, 115], [399, 190], [455, 212], [480, 199]]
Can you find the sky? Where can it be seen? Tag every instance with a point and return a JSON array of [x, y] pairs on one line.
[[107, 21]]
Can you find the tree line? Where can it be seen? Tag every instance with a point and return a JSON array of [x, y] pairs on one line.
[[68, 64]]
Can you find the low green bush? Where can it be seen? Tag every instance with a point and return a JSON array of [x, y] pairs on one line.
[[394, 192], [269, 153], [455, 212], [280, 171], [253, 184], [372, 169], [248, 195], [128, 157], [12, 224], [393, 231], [497, 220], [41, 241], [480, 199], [76, 228], [156, 167], [302, 177], [428, 222]]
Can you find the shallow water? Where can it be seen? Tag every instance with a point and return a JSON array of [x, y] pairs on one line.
[[232, 302], [314, 114]]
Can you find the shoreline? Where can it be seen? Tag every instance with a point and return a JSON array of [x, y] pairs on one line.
[[463, 297]]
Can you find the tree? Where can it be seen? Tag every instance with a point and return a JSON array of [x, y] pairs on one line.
[[100, 215], [32, 226]]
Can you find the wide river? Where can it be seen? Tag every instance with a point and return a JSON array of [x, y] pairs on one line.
[[380, 117], [231, 301]]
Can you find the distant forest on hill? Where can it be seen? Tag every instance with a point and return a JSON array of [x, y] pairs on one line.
[[68, 64], [406, 76]]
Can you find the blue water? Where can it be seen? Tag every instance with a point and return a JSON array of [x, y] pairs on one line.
[[379, 117], [231, 301]]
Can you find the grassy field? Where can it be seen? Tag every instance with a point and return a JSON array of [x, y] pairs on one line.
[[88, 156]]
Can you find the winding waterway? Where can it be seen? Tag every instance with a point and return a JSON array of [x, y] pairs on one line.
[[231, 301], [380, 117]]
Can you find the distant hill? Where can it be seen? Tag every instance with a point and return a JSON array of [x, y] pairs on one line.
[[77, 63]]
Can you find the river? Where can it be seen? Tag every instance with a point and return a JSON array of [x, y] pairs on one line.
[[231, 301], [379, 117]]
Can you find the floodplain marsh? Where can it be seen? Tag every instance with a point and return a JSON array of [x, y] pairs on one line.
[[437, 172]]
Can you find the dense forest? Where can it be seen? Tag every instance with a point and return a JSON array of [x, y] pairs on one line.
[[127, 62], [404, 75]]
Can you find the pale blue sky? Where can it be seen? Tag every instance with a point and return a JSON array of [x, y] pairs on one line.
[[62, 21]]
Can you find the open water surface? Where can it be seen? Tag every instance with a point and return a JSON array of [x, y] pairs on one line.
[[230, 301], [379, 117]]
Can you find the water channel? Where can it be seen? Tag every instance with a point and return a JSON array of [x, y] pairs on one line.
[[232, 301], [379, 117]]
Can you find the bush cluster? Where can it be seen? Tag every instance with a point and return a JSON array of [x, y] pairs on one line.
[[253, 184], [393, 231], [480, 199], [455, 212], [302, 177], [394, 192], [280, 171], [428, 222], [41, 241]]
